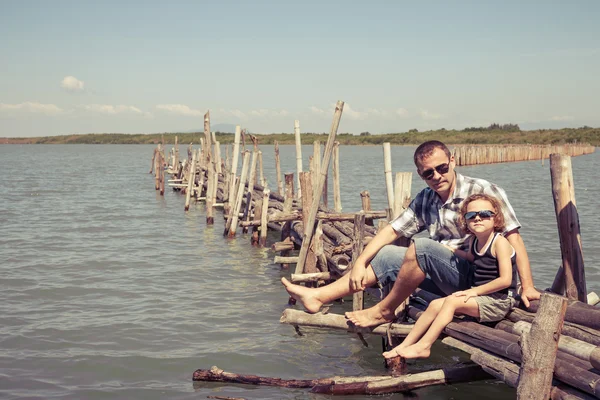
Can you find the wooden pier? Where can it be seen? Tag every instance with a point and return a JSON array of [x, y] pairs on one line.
[[551, 350]]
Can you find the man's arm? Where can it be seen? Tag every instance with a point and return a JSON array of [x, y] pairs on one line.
[[529, 292]]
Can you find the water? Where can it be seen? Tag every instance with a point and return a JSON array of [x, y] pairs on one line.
[[109, 290]]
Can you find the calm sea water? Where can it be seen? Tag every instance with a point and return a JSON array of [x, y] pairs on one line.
[[109, 290]]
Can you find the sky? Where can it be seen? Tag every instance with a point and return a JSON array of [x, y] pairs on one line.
[[73, 67]]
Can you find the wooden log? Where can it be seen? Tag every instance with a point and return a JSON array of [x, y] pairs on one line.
[[234, 164], [576, 331], [593, 299], [402, 189], [257, 214], [387, 170], [578, 312], [289, 192], [298, 155], [264, 219], [308, 228], [508, 371], [231, 225], [191, 179], [278, 169], [539, 347], [337, 321], [324, 216], [318, 248], [337, 196], [210, 190], [444, 376], [357, 248], [314, 277], [282, 246], [251, 182], [310, 264], [261, 174], [337, 236], [569, 234], [207, 146], [285, 260]]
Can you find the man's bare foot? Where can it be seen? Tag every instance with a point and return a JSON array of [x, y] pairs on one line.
[[395, 352], [306, 296], [415, 351], [370, 317]]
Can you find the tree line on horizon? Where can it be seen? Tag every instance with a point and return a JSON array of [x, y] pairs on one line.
[[493, 134]]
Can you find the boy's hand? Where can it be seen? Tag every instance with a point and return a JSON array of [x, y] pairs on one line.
[[467, 294]]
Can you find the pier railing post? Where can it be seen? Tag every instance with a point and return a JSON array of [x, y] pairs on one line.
[[337, 197], [567, 218]]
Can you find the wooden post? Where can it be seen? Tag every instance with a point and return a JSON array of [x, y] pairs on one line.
[[257, 215], [218, 169], [357, 248], [317, 166], [234, 164], [191, 178], [251, 181], [309, 228], [264, 218], [567, 218], [539, 348], [207, 136], [310, 266], [260, 169], [210, 188], [278, 169], [232, 222], [402, 192], [387, 170], [337, 196], [298, 155], [289, 193]]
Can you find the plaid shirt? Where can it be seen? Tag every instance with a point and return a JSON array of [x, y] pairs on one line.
[[426, 212]]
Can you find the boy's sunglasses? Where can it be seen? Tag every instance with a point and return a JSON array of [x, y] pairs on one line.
[[442, 169], [482, 214]]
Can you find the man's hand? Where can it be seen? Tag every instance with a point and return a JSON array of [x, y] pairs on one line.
[[357, 276], [528, 294], [467, 294]]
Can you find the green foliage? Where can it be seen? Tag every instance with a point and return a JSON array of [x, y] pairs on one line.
[[494, 134]]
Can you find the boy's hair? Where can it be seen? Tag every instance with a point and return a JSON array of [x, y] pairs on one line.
[[499, 224], [426, 149]]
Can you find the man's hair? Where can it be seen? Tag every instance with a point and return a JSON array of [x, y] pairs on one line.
[[426, 149], [499, 223]]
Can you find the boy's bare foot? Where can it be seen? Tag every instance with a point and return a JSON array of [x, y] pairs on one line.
[[306, 296], [395, 352], [415, 351], [370, 317]]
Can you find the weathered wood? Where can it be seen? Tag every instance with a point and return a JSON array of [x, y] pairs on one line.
[[539, 347], [387, 170], [308, 228], [310, 264], [282, 246], [191, 179], [295, 216], [289, 192], [563, 192], [314, 277], [298, 155], [337, 196], [402, 189], [231, 225], [508, 371], [357, 248], [264, 219], [210, 189], [278, 169], [251, 182], [578, 312], [285, 260], [234, 164], [573, 330], [337, 321], [207, 139]]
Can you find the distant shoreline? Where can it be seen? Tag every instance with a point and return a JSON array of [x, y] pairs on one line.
[[471, 136]]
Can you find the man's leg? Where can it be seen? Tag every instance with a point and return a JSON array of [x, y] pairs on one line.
[[423, 257], [383, 269], [409, 277]]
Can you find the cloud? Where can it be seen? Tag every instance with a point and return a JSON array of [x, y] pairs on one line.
[[316, 110], [376, 112], [428, 115], [31, 107], [72, 84], [108, 109], [402, 112], [180, 109], [561, 118]]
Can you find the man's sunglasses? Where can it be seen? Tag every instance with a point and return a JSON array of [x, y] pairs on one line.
[[442, 169], [482, 214]]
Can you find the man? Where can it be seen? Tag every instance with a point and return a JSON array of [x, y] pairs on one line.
[[434, 209]]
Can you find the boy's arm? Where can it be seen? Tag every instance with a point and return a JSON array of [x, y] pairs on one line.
[[529, 292]]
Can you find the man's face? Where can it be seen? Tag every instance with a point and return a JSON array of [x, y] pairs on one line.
[[438, 172]]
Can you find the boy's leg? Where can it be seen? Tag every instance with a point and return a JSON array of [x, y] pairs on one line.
[[419, 329], [452, 305]]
